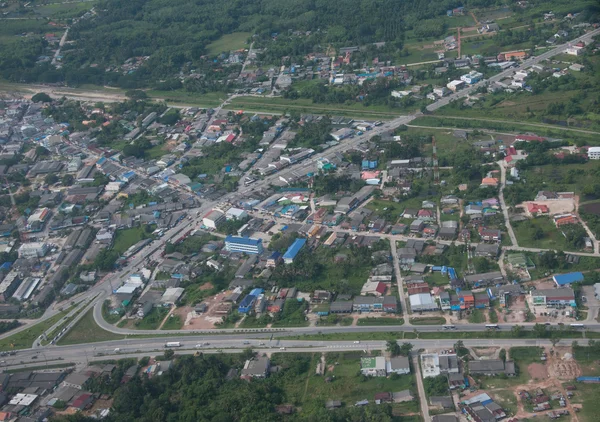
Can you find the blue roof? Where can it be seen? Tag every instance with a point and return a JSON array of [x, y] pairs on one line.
[[275, 255], [247, 301], [294, 249], [257, 292], [6, 265], [243, 240], [564, 279]]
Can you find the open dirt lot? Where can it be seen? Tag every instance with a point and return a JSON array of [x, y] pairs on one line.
[[193, 321], [517, 310], [537, 371], [555, 207]]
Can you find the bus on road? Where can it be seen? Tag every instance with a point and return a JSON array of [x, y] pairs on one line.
[[449, 327], [492, 326], [577, 326], [173, 344]]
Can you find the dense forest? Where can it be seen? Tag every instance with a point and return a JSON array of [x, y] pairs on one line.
[[175, 34], [197, 389]]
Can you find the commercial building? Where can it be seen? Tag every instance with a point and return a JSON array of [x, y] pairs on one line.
[[566, 279], [373, 366], [256, 368], [213, 219], [553, 297], [236, 214], [293, 250], [422, 302], [247, 245], [26, 288], [594, 153], [433, 364], [33, 250], [492, 367], [472, 77], [398, 365]]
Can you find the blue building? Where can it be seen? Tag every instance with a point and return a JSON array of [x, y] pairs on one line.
[[247, 304], [247, 245], [566, 279], [293, 250]]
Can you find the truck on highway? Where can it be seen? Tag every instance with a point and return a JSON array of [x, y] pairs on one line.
[[173, 344]]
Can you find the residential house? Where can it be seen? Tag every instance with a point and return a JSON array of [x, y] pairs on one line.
[[490, 367], [256, 368], [398, 365], [373, 366]]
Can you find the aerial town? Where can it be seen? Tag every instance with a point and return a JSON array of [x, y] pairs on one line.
[[301, 225]]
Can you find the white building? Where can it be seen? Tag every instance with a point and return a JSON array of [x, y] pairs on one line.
[[33, 250], [441, 92], [594, 153], [235, 214], [573, 51], [213, 219], [455, 85], [472, 77]]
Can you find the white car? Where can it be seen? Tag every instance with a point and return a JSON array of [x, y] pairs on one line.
[[357, 342]]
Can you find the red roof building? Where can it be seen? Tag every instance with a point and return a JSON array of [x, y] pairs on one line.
[[529, 138], [537, 209]]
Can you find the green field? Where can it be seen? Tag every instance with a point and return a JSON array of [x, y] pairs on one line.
[[476, 317], [428, 320], [302, 105], [587, 395], [63, 10], [153, 320], [24, 339], [379, 321], [527, 232], [87, 331], [348, 385], [129, 237], [173, 322], [229, 42], [181, 97]]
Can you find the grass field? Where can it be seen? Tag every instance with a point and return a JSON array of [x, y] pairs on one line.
[[437, 279], [229, 42], [63, 10], [174, 322], [307, 389], [428, 321], [153, 320], [476, 317], [281, 105], [87, 331], [587, 395], [210, 99], [128, 237], [379, 321], [552, 238], [24, 339]]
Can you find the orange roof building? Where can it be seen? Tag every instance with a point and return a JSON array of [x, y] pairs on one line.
[[515, 55], [489, 181]]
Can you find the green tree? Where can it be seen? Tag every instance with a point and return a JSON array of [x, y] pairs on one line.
[[393, 347], [136, 94], [169, 354], [405, 349], [67, 180], [540, 330], [51, 179], [516, 331], [41, 97], [502, 354]]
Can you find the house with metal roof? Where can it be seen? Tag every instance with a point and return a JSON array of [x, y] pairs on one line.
[[293, 251], [566, 279]]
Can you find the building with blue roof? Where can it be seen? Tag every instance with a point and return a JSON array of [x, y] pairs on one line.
[[247, 304], [257, 292], [566, 279], [247, 245], [293, 250]]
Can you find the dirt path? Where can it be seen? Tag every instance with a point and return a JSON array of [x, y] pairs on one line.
[[308, 377], [167, 317], [474, 18]]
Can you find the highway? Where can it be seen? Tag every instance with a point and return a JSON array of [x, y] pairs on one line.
[[82, 354]]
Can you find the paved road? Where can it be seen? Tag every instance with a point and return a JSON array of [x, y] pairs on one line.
[[399, 280], [84, 353], [509, 228], [421, 389]]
